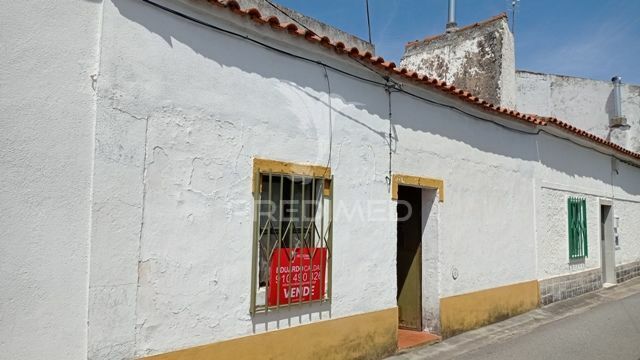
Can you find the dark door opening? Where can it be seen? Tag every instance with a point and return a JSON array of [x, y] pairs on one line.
[[409, 258]]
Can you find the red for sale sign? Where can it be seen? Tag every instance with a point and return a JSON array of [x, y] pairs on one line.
[[297, 275]]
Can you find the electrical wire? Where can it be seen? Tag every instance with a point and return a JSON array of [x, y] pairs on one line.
[[537, 132], [390, 88], [320, 63], [368, 20], [257, 42], [373, 82], [326, 75], [451, 107]]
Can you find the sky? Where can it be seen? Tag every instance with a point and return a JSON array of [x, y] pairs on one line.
[[594, 39]]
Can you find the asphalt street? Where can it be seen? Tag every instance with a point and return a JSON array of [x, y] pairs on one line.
[[607, 331], [601, 325]]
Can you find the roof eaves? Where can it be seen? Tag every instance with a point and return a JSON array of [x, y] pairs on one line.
[[390, 67]]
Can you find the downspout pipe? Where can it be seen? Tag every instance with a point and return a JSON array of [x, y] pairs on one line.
[[451, 22]]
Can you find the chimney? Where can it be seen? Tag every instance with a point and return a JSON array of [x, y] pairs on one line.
[[451, 22], [479, 58], [618, 127], [617, 120]]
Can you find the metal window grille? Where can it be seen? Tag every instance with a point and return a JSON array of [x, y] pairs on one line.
[[577, 209], [292, 241]]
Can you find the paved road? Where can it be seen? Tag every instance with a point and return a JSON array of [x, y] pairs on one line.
[[607, 331], [600, 325]]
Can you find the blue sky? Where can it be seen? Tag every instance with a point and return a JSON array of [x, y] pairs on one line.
[[587, 38]]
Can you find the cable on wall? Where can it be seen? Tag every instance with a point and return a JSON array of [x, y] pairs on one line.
[[320, 63], [326, 75], [390, 87], [257, 42], [372, 82]]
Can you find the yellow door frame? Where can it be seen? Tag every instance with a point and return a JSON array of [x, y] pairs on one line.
[[416, 181]]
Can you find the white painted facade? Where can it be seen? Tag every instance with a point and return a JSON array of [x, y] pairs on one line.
[[163, 228], [593, 182]]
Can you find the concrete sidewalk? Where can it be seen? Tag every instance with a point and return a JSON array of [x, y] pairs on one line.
[[609, 325]]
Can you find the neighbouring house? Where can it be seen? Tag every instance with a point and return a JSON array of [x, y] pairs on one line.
[[208, 180], [480, 58]]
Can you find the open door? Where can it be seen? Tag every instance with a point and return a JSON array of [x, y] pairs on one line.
[[409, 258], [607, 249]]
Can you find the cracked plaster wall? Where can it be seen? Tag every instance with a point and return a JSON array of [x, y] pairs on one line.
[[179, 121], [172, 201]]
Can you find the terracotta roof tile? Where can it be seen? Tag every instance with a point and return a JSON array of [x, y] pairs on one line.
[[292, 28], [273, 21], [254, 13], [354, 52], [389, 65], [233, 5], [377, 61]]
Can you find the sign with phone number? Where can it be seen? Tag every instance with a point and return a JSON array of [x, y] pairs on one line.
[[298, 274]]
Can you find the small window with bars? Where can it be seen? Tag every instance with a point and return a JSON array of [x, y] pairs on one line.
[[578, 246], [292, 239]]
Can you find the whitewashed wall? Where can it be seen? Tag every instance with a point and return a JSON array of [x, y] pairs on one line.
[[180, 112], [183, 109], [585, 103], [629, 229], [567, 170], [488, 181], [49, 51], [195, 115], [205, 113]]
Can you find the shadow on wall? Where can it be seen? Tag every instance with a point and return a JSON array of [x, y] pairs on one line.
[[407, 112]]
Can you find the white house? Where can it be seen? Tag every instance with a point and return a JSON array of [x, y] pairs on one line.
[[177, 170]]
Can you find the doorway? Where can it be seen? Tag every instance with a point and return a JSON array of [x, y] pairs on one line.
[[607, 248], [409, 258]]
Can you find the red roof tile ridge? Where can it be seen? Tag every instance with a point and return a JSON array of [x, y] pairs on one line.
[[466, 27], [377, 61]]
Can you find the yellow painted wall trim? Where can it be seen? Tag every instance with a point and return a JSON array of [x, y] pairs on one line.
[[416, 181], [288, 168], [365, 336], [465, 312]]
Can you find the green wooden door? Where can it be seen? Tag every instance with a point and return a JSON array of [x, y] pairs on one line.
[[409, 258]]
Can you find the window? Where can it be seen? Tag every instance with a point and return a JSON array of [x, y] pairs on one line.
[[292, 235], [577, 228]]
